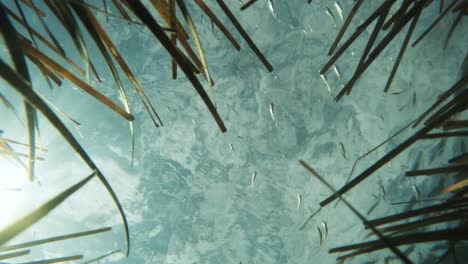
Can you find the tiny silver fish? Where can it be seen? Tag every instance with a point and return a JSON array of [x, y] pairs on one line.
[[299, 201], [337, 71], [271, 6], [339, 9], [325, 230], [320, 235], [330, 14], [415, 192], [324, 78], [232, 149], [272, 112], [254, 175]]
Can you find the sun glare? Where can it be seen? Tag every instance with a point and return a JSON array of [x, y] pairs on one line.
[[12, 195]]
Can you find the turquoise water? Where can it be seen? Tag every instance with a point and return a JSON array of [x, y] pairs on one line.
[[190, 196]]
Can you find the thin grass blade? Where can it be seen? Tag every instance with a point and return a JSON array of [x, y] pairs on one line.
[[53, 239], [24, 89], [28, 220]]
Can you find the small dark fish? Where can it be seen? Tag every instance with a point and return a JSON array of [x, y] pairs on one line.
[[308, 219], [343, 151], [384, 194], [372, 208], [403, 107], [397, 93], [414, 98], [415, 192]]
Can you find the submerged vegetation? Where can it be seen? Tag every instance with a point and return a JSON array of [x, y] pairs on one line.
[[79, 19], [71, 13]]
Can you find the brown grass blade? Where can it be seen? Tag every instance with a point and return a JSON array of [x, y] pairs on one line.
[[455, 124], [438, 19], [33, 40], [196, 40], [182, 36], [444, 96], [461, 203], [463, 158], [104, 43], [61, 71], [433, 220], [218, 23], [173, 24], [162, 7], [361, 28], [121, 9], [106, 12], [373, 36], [424, 237], [63, 13], [398, 14], [24, 89], [48, 74], [42, 39], [145, 16], [381, 46], [31, 5], [443, 135], [28, 220], [456, 186], [53, 239], [428, 172], [90, 23], [49, 33], [409, 34], [245, 35], [247, 4]]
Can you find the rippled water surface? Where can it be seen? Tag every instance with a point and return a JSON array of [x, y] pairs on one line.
[[190, 196]]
